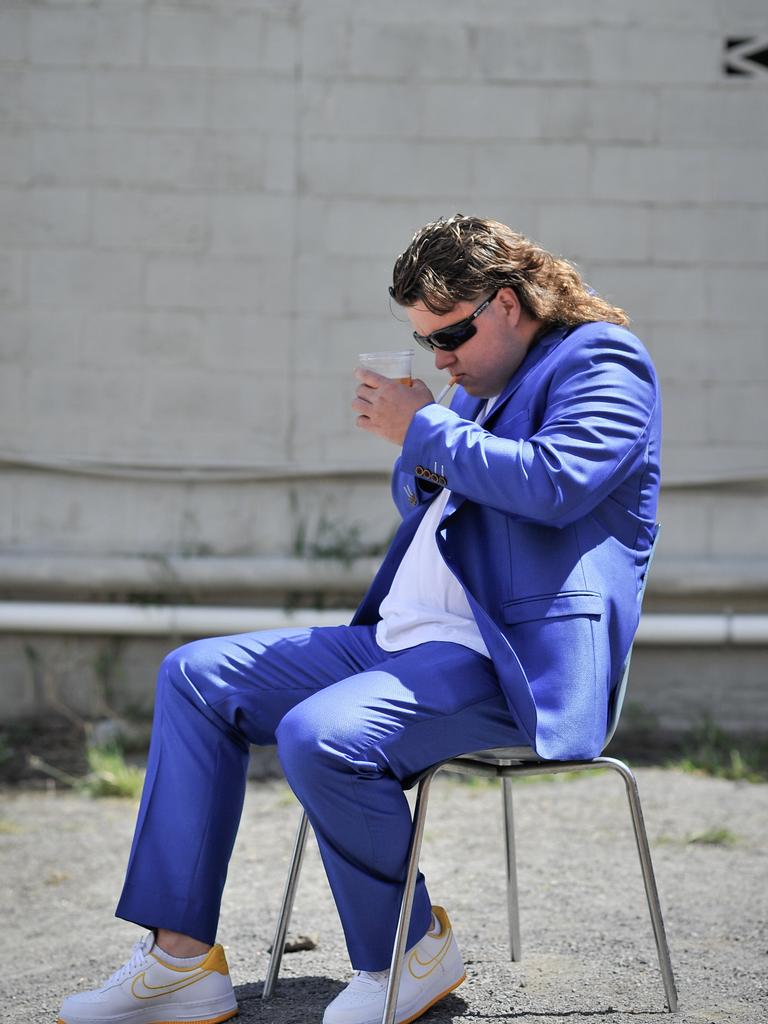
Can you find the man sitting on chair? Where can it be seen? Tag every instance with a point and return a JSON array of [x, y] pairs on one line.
[[501, 616]]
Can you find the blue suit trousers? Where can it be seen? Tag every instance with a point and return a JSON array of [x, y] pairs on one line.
[[354, 725]]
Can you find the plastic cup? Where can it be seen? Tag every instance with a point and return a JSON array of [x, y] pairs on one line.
[[397, 365]]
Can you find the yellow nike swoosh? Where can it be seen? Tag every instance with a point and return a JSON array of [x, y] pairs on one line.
[[421, 968], [141, 990]]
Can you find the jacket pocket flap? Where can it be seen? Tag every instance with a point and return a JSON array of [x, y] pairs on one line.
[[546, 606]]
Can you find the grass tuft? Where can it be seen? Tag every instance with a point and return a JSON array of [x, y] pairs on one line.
[[709, 750], [714, 837], [109, 774]]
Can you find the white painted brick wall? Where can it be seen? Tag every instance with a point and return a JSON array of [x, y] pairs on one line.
[[47, 96], [14, 156], [42, 217], [688, 521], [696, 351], [669, 293], [681, 175], [133, 220], [121, 518], [737, 413], [736, 117], [401, 169], [83, 278], [543, 171], [248, 103], [620, 114], [717, 235], [12, 278], [14, 339], [657, 56], [87, 35], [252, 224], [222, 38], [512, 52], [200, 205], [146, 98], [737, 526], [13, 33], [211, 283], [591, 231], [12, 393]]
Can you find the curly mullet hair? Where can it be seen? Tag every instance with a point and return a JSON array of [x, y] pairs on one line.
[[463, 258]]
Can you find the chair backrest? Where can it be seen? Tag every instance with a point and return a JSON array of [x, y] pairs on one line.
[[617, 699]]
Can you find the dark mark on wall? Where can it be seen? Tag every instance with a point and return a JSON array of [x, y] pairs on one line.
[[746, 57]]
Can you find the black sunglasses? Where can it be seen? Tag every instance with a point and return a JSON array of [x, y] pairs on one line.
[[449, 338]]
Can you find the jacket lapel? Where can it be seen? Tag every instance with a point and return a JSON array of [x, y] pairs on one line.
[[467, 407], [471, 408]]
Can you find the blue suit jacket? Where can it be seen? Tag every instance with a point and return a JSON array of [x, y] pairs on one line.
[[549, 524]]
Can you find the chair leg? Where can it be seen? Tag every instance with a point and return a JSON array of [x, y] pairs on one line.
[[513, 905], [291, 882], [646, 866], [406, 905]]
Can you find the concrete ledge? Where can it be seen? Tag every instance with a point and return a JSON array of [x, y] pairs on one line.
[[80, 619], [114, 619]]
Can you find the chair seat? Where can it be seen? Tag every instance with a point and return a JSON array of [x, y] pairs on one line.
[[502, 756]]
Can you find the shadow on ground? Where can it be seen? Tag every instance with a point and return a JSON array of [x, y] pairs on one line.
[[298, 1000]]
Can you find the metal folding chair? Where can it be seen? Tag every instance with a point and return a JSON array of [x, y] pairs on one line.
[[505, 763]]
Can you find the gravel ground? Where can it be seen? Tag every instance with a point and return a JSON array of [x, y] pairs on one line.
[[588, 947]]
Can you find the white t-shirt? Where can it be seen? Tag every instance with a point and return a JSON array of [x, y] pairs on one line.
[[426, 602]]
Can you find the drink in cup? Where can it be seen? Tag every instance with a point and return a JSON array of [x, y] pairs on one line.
[[397, 365]]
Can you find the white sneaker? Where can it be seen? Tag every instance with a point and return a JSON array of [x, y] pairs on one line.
[[147, 990], [431, 969]]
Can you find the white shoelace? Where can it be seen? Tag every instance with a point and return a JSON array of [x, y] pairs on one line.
[[138, 954], [378, 977]]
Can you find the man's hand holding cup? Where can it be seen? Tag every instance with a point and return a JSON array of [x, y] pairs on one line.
[[387, 396]]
